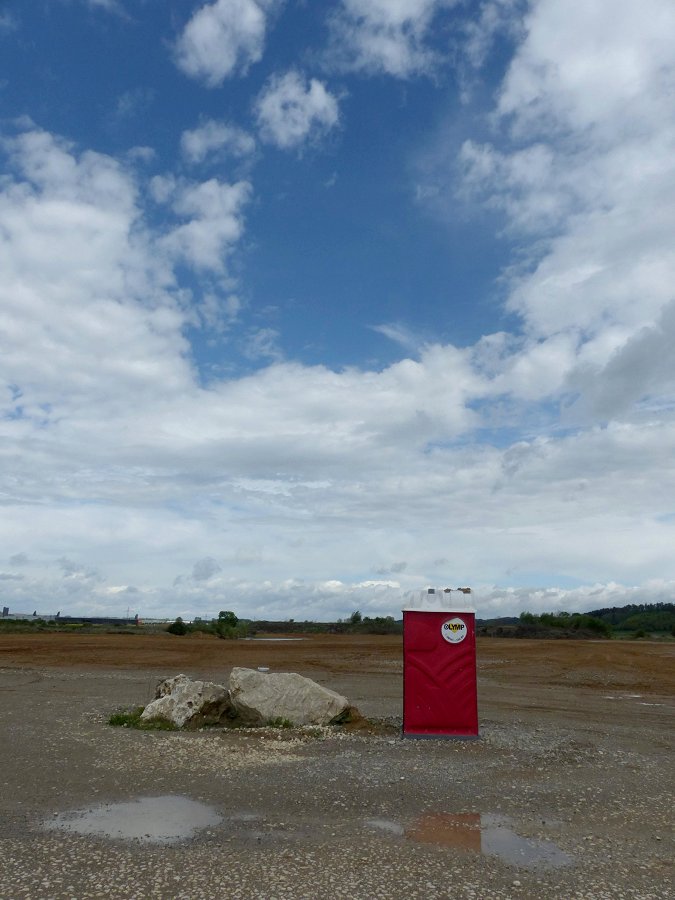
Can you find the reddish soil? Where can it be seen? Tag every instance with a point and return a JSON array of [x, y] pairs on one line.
[[622, 665], [333, 653]]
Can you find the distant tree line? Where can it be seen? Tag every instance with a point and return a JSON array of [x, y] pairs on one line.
[[578, 622], [228, 626], [639, 617], [358, 624], [355, 624]]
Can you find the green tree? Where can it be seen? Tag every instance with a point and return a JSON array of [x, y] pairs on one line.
[[178, 627], [228, 627]]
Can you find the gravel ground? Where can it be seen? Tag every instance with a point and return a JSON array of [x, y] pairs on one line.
[[569, 794]]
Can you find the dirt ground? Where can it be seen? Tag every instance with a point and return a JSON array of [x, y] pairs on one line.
[[568, 794]]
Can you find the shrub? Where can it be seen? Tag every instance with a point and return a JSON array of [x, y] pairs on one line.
[[178, 627], [228, 627]]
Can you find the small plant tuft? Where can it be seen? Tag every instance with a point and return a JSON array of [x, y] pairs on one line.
[[279, 722], [132, 719], [129, 718]]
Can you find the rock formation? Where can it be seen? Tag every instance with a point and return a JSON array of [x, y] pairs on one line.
[[259, 697], [254, 698], [188, 703]]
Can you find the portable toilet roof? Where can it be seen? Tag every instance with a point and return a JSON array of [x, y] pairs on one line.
[[441, 600]]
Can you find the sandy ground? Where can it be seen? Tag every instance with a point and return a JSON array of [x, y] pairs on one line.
[[569, 793]]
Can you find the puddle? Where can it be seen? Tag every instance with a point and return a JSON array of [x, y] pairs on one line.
[[462, 832], [155, 820], [477, 833], [274, 640], [387, 825], [622, 697]]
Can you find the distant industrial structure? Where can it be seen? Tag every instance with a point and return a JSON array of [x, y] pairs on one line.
[[84, 620]]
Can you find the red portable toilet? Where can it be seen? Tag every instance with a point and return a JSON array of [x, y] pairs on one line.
[[440, 697]]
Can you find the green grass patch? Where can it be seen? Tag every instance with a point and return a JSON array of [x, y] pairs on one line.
[[279, 723], [132, 719]]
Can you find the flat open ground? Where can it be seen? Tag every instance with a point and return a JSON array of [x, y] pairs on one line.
[[569, 794]]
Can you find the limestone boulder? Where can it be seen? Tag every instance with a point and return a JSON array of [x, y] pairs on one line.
[[188, 703], [260, 697], [169, 685]]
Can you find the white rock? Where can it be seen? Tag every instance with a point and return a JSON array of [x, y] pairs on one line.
[[258, 698], [168, 685], [189, 703]]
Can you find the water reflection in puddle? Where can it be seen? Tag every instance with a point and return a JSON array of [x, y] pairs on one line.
[[477, 833], [387, 825], [156, 820]]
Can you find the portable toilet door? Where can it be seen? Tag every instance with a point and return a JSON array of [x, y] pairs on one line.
[[440, 697]]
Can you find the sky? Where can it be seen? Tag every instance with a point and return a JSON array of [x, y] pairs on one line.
[[306, 307]]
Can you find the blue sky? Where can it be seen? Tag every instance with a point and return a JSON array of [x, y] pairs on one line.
[[304, 307]]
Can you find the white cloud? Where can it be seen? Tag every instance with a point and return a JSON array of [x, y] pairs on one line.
[[263, 344], [219, 138], [401, 334], [592, 65], [389, 37], [112, 454], [606, 274], [223, 39], [495, 17], [162, 188], [639, 373], [218, 311], [214, 213], [79, 281], [495, 601], [289, 110], [581, 171], [111, 451]]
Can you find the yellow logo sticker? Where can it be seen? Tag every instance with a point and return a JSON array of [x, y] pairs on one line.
[[454, 630]]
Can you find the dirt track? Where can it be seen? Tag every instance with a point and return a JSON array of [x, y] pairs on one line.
[[576, 753]]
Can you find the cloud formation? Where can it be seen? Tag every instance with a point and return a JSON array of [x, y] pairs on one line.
[[214, 138], [388, 37], [584, 177], [213, 211], [223, 39], [291, 110], [535, 464]]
